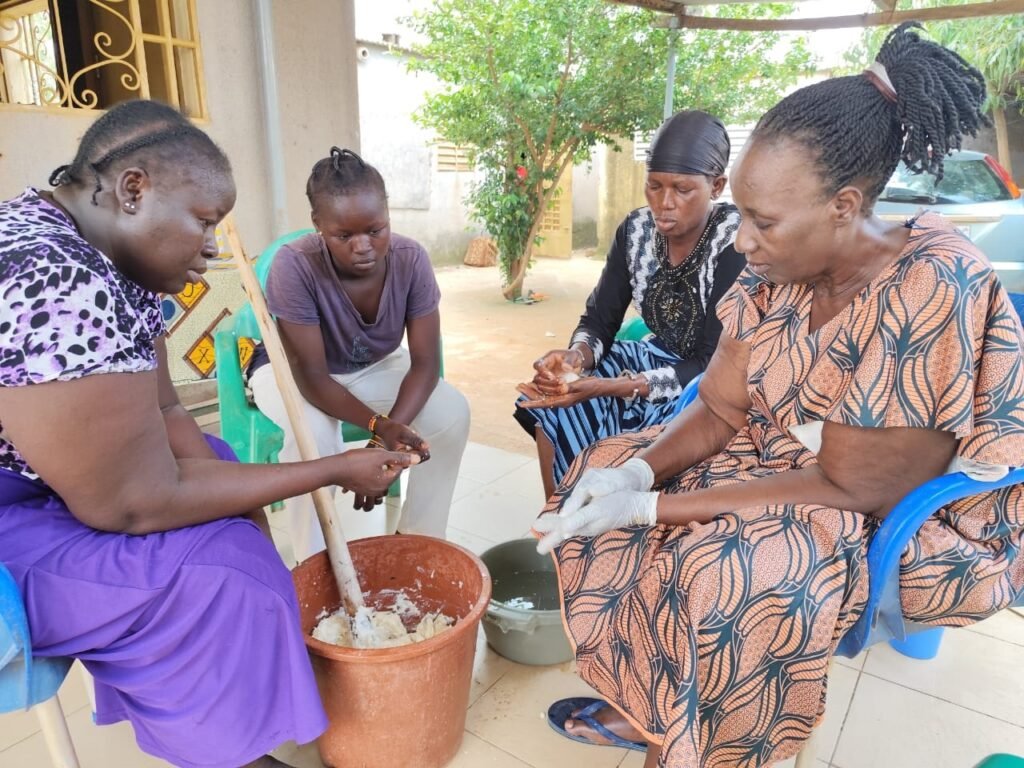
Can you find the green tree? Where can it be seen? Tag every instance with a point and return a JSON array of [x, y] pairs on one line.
[[994, 44], [533, 85]]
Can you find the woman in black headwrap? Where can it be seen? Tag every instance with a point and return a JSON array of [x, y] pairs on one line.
[[673, 259]]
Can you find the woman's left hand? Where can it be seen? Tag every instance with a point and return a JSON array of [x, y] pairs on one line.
[[604, 513], [394, 436], [579, 391]]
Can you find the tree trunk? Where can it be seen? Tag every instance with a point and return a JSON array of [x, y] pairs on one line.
[[1002, 139], [517, 271], [514, 288]]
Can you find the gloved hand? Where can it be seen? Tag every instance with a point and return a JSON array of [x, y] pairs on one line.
[[619, 509], [634, 475]]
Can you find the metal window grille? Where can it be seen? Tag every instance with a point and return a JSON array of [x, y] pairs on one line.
[[92, 54]]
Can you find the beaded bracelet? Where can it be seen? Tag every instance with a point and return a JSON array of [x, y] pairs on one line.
[[373, 421]]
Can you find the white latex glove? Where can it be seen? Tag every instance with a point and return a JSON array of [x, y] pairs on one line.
[[634, 475], [620, 509]]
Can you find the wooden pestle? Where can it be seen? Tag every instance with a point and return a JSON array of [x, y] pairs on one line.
[[337, 549]]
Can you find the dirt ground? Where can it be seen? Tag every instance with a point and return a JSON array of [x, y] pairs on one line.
[[490, 344]]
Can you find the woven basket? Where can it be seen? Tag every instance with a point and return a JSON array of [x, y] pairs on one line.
[[482, 252]]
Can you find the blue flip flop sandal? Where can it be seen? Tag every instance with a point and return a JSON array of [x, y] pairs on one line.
[[563, 709]]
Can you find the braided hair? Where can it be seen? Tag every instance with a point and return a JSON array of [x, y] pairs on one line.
[[342, 173], [139, 132], [858, 131]]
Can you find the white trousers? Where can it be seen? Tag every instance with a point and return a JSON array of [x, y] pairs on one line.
[[443, 422]]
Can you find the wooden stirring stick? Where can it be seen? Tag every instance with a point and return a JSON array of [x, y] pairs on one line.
[[337, 549]]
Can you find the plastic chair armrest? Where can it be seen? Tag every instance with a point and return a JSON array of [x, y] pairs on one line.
[[895, 533]]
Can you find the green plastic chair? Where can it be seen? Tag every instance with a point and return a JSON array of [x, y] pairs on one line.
[[254, 437], [634, 329], [1001, 761]]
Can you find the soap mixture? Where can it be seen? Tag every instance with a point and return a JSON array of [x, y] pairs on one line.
[[373, 628]]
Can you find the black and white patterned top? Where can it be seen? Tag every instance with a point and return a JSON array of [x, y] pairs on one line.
[[676, 302], [65, 309]]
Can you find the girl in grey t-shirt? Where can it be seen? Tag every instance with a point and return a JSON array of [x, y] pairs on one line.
[[343, 298]]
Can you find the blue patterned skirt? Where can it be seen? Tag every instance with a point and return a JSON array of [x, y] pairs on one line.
[[572, 429]]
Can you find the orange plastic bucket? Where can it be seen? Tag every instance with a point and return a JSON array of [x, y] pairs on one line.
[[404, 706]]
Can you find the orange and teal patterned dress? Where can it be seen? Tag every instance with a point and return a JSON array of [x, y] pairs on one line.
[[714, 639]]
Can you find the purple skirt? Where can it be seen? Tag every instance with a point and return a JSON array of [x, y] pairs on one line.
[[192, 635]]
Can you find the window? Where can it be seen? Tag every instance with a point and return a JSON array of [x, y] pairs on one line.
[[92, 54], [551, 221], [452, 158]]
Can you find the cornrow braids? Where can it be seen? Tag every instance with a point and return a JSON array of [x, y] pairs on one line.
[[858, 130], [343, 172], [140, 131]]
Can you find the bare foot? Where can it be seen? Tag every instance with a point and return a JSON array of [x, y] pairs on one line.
[[611, 719]]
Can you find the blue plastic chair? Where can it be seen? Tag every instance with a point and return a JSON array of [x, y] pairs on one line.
[[883, 617], [28, 682]]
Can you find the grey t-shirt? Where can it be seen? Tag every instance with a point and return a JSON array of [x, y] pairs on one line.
[[303, 288]]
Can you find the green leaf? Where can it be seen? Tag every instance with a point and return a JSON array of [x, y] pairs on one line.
[[513, 73]]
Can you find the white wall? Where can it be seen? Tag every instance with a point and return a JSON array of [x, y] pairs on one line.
[[586, 187], [425, 204]]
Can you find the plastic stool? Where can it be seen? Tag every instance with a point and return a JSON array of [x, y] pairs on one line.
[[920, 645]]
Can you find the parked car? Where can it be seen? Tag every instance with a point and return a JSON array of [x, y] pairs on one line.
[[978, 196]]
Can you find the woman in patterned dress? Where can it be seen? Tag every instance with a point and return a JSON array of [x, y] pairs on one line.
[[859, 359], [673, 260]]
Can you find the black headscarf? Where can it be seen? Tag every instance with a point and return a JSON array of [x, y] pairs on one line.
[[691, 142]]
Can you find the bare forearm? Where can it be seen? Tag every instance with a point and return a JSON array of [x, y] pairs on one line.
[[416, 388], [186, 439], [332, 398], [693, 436], [798, 486], [206, 490]]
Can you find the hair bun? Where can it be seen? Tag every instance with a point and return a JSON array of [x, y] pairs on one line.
[[338, 156], [939, 96]]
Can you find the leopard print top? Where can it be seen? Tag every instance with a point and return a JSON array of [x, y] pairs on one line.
[[65, 309]]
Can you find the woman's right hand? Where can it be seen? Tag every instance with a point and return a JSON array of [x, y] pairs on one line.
[[368, 472], [552, 368]]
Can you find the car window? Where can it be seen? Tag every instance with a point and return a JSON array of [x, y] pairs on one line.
[[966, 181]]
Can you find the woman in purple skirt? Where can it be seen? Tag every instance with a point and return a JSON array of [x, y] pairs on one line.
[[131, 534]]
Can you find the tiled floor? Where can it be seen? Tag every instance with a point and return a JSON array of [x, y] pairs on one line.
[[884, 710]]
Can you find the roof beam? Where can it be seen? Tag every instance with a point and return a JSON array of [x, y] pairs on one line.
[[681, 19]]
